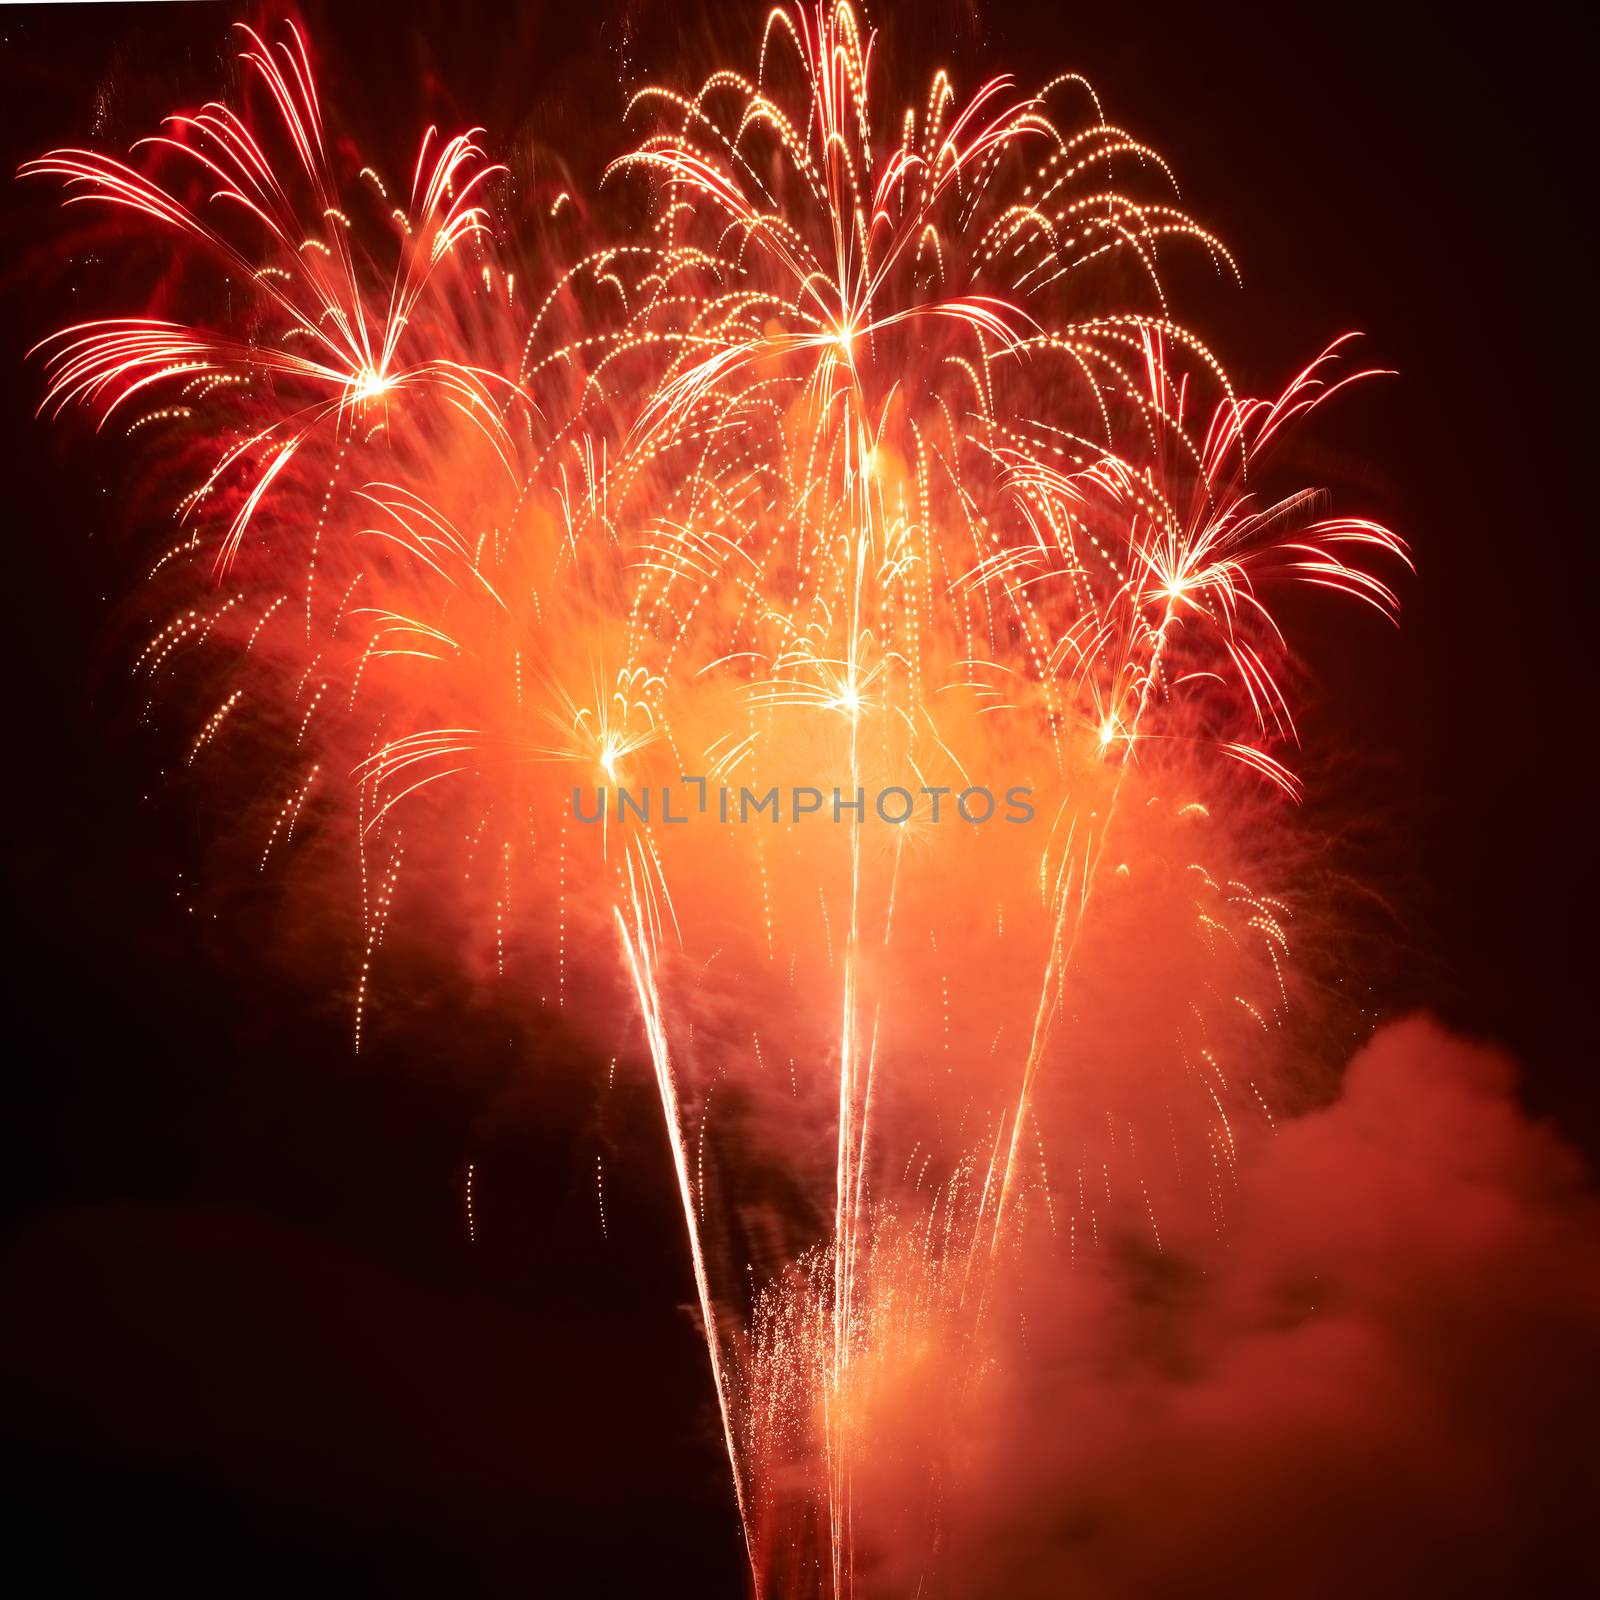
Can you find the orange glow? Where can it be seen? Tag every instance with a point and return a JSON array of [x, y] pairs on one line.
[[871, 459]]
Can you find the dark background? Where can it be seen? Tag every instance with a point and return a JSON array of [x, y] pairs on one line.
[[247, 1343]]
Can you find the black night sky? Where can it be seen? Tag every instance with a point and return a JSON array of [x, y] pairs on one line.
[[246, 1347]]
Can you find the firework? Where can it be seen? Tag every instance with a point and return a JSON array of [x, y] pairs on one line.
[[333, 335], [866, 460]]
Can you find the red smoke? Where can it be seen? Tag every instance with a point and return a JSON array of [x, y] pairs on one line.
[[1376, 1383]]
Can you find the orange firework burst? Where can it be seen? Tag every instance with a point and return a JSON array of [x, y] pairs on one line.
[[864, 465]]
